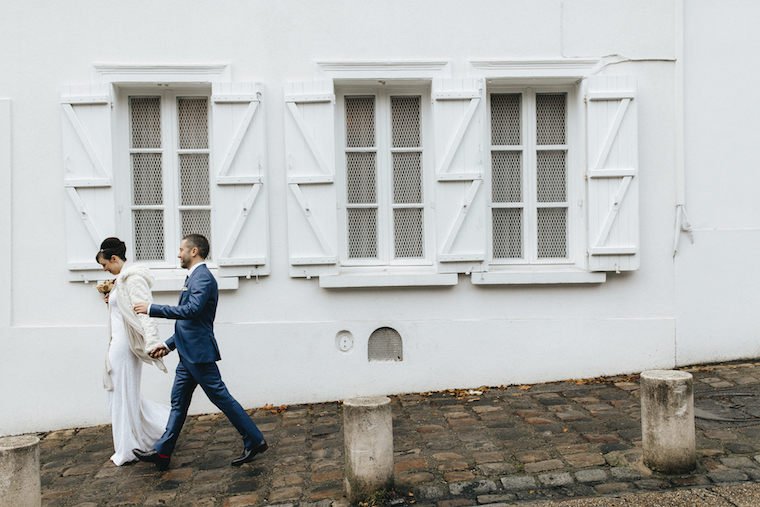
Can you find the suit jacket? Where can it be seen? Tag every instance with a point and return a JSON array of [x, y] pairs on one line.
[[194, 330]]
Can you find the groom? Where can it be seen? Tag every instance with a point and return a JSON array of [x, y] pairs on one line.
[[198, 352]]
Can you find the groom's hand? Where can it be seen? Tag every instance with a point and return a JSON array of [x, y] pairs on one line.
[[141, 308], [158, 352]]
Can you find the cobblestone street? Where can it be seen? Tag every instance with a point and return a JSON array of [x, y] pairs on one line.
[[507, 445]]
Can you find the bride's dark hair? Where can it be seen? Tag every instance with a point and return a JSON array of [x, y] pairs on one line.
[[110, 247]]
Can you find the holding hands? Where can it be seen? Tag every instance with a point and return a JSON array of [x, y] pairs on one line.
[[158, 352]]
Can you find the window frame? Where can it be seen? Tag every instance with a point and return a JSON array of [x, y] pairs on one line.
[[574, 178], [170, 165], [384, 150]]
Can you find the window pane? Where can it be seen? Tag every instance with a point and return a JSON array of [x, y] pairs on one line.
[[192, 122], [505, 118], [196, 222], [360, 122], [405, 121], [147, 179], [550, 176], [145, 115], [361, 182], [408, 232], [550, 118], [193, 179], [149, 235], [506, 176], [407, 178], [552, 232], [507, 233], [362, 233]]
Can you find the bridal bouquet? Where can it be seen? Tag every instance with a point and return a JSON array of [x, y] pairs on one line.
[[105, 287]]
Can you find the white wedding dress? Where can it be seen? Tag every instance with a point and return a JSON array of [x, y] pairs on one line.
[[136, 423]]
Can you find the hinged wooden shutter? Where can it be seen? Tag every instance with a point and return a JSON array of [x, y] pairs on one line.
[[612, 173], [310, 161], [90, 211], [240, 217], [458, 115]]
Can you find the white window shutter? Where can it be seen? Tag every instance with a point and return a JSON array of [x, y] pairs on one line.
[[240, 216], [458, 114], [310, 159], [612, 173], [90, 211]]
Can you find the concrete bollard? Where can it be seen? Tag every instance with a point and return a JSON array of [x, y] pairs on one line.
[[20, 471], [368, 445], [667, 421]]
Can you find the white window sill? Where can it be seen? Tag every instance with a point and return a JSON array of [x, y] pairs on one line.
[[389, 278], [174, 284], [537, 277], [165, 280]]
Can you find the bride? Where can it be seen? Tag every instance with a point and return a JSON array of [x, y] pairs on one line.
[[136, 423]]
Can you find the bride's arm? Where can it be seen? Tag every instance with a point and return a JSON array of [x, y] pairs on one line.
[[139, 290]]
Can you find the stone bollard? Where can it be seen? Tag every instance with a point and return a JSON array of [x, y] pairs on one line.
[[667, 421], [20, 471], [368, 446]]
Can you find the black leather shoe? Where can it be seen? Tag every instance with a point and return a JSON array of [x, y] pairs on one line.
[[160, 460], [249, 454]]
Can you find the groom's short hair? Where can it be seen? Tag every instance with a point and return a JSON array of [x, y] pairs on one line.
[[200, 242]]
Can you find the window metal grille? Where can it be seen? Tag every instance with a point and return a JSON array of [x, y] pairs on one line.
[[362, 233], [361, 174], [192, 116], [170, 184], [406, 156], [193, 179], [360, 122], [506, 119], [145, 114], [550, 118], [196, 222], [385, 212], [552, 232], [529, 176], [507, 233], [385, 344], [408, 228], [361, 177], [506, 176], [550, 176], [149, 234], [147, 179], [405, 121]]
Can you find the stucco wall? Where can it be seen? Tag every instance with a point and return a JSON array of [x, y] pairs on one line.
[[277, 334]]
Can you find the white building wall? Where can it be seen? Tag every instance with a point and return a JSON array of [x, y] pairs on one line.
[[717, 276], [277, 334]]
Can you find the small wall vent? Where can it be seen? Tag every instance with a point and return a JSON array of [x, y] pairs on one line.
[[385, 345]]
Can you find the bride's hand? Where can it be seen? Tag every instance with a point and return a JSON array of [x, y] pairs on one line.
[[105, 297]]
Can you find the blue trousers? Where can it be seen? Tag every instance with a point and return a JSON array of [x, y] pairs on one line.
[[187, 377]]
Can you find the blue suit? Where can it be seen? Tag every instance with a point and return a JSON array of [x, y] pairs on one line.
[[198, 352]]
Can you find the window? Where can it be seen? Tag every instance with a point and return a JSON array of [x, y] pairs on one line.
[[530, 212], [169, 172], [384, 213]]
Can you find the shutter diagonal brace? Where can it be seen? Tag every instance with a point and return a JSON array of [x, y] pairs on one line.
[[612, 214], [304, 205], [612, 134], [293, 108], [103, 179], [456, 140], [459, 221], [84, 215], [250, 199], [237, 140]]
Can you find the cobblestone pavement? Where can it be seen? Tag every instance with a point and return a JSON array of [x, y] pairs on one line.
[[505, 446]]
